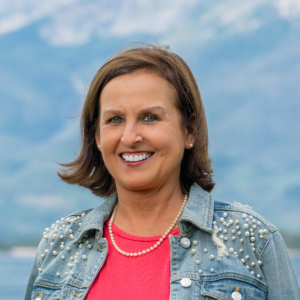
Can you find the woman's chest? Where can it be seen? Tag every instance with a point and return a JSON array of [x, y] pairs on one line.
[[199, 268]]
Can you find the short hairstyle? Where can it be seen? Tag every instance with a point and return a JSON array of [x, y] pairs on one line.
[[88, 169]]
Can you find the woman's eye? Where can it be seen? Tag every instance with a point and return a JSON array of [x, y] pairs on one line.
[[150, 118], [115, 120]]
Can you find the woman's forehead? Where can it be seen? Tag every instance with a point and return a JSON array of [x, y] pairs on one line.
[[137, 89]]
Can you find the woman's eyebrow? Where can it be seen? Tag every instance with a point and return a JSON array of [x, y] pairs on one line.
[[112, 112], [142, 111]]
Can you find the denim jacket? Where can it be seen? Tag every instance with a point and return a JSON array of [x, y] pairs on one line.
[[224, 251]]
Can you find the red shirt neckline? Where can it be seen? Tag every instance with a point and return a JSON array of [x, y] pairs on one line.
[[116, 230]]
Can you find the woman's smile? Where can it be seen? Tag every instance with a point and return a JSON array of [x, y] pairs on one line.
[[135, 157]]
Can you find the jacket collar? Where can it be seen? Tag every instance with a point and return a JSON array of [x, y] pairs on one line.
[[198, 212]]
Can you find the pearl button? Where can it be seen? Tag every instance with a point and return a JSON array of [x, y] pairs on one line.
[[236, 296], [186, 282], [185, 242]]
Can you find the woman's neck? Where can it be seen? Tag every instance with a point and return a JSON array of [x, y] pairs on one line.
[[148, 213]]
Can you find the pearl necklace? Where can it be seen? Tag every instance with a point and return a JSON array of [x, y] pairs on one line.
[[151, 248]]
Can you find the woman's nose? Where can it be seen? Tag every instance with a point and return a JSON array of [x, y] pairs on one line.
[[131, 135]]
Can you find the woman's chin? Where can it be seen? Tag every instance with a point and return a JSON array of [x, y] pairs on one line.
[[138, 185]]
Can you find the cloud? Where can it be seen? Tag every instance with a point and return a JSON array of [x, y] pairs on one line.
[[42, 201], [16, 14], [75, 22], [288, 8]]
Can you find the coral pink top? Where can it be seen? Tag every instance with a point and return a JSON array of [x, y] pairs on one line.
[[144, 277]]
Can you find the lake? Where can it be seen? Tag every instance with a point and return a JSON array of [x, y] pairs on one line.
[[14, 272]]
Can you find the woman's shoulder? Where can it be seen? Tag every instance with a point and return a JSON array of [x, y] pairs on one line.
[[244, 231], [62, 233], [235, 214]]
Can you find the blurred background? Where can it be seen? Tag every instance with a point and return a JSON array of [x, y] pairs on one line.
[[245, 56]]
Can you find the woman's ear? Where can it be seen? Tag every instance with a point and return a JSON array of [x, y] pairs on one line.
[[97, 140], [191, 132]]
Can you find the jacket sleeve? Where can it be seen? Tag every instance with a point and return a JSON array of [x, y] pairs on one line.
[[33, 276], [278, 270]]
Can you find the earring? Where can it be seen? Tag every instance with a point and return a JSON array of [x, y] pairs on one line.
[[99, 146], [191, 145]]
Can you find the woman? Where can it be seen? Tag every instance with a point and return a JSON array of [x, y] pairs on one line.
[[159, 234]]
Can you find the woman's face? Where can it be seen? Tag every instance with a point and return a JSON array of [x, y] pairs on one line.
[[140, 133]]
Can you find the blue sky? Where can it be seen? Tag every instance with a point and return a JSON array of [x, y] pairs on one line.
[[246, 59]]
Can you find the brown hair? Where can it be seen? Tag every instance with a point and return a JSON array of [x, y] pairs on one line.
[[88, 169]]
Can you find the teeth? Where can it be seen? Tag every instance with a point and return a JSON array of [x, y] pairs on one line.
[[135, 157]]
